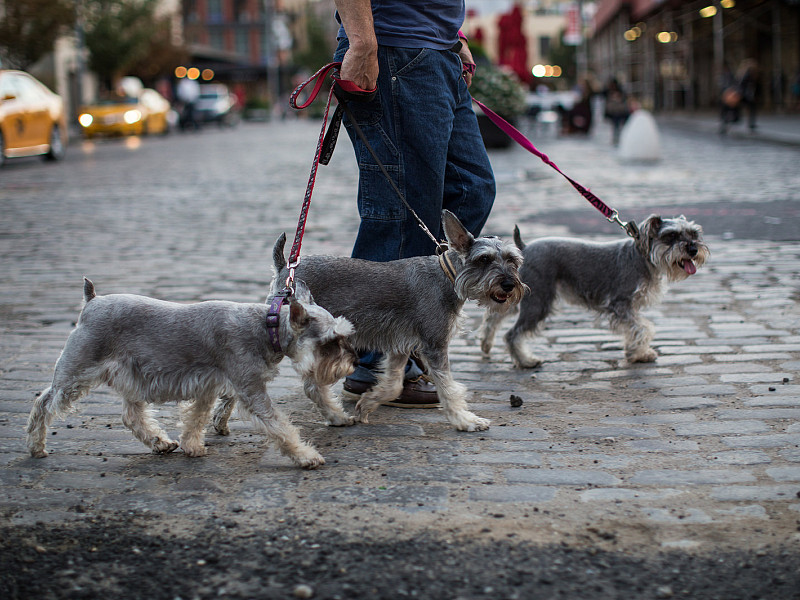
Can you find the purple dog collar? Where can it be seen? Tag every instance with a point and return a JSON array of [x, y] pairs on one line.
[[274, 318]]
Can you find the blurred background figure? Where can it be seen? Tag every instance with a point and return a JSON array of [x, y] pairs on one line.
[[188, 91], [578, 119], [617, 109], [730, 100], [749, 88]]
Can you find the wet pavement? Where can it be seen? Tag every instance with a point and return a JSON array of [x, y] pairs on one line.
[[696, 452]]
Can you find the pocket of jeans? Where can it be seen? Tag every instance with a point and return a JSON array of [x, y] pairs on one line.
[[404, 60], [378, 199]]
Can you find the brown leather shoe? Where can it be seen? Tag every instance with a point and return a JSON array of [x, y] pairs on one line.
[[417, 393]]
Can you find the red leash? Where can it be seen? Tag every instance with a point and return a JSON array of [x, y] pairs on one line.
[[610, 213]]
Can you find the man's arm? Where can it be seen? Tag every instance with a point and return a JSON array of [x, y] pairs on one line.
[[360, 63]]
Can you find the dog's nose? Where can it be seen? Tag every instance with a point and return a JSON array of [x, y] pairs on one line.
[[691, 249], [507, 286]]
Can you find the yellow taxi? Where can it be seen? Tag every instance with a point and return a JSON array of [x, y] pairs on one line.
[[148, 112], [32, 118]]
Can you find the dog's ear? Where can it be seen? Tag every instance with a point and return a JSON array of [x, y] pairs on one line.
[[302, 292], [650, 227], [457, 235], [278, 261], [518, 238], [298, 315], [88, 290]]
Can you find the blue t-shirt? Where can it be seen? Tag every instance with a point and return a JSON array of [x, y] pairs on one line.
[[416, 23]]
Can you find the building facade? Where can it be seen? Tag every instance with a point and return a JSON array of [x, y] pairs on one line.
[[678, 54]]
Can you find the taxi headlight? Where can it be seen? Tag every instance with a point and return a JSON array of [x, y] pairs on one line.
[[85, 119], [132, 116]]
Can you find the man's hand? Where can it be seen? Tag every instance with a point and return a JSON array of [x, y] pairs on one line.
[[360, 65], [466, 57]]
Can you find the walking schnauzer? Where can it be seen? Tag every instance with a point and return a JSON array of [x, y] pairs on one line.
[[151, 352], [617, 279], [412, 304]]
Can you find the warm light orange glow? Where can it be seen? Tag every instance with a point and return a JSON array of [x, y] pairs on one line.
[[193, 73], [208, 74], [180, 72]]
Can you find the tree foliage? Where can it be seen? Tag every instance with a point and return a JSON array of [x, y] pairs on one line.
[[318, 49], [29, 28], [117, 34]]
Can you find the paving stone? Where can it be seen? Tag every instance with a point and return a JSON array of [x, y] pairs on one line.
[[754, 511], [513, 493], [687, 403], [784, 473], [718, 428], [613, 432], [494, 458], [690, 516], [404, 495], [742, 457], [766, 414], [773, 401], [628, 495], [560, 477], [775, 440], [754, 493], [663, 445], [705, 390], [698, 477], [440, 473]]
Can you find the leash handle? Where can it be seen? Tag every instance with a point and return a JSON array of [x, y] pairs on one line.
[[348, 90], [610, 213]]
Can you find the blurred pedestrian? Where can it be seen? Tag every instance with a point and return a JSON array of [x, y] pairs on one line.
[[730, 100], [749, 88], [188, 92], [424, 130], [617, 109], [578, 119]]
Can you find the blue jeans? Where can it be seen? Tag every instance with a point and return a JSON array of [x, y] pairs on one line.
[[422, 127]]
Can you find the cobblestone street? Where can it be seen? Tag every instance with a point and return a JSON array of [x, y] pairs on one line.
[[698, 452]]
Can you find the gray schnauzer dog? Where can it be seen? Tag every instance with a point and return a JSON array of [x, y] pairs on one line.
[[151, 352], [617, 279], [412, 304]]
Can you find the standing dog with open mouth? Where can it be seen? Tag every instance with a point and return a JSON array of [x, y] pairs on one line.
[[616, 279]]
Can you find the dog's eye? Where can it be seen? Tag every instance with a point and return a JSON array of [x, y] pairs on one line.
[[484, 260], [670, 237]]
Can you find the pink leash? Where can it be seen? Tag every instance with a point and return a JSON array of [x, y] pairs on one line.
[[610, 213]]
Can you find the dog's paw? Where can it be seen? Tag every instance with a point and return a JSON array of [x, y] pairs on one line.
[[161, 446], [195, 452], [342, 420], [528, 361], [646, 356], [309, 459], [468, 421], [39, 453], [222, 429]]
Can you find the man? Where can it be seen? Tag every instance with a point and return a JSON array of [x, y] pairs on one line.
[[422, 126]]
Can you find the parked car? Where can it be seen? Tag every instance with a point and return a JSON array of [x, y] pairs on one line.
[[216, 104], [32, 118], [119, 114]]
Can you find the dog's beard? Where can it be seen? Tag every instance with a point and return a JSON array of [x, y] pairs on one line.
[[675, 262]]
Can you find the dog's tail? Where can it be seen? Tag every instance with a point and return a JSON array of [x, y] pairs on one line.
[[278, 260], [518, 238], [88, 290]]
